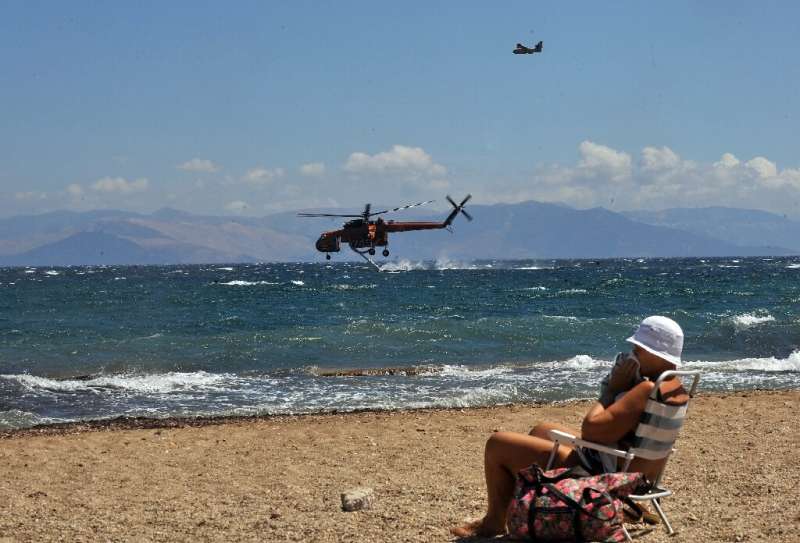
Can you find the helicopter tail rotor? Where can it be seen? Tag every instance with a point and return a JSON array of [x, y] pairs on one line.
[[457, 208]]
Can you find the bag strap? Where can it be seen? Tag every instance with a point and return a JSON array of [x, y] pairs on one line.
[[575, 472], [580, 506]]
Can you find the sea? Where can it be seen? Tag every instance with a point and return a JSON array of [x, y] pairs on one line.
[[100, 342]]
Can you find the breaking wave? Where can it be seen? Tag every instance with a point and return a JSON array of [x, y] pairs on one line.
[[238, 283], [749, 319], [147, 384]]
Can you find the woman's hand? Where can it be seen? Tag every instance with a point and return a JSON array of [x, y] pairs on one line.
[[624, 375]]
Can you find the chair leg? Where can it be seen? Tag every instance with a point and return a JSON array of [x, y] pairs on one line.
[[628, 537], [663, 516]]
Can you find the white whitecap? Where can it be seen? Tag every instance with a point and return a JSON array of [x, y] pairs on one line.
[[149, 384], [298, 283], [238, 283], [580, 362], [467, 373], [768, 364], [750, 319], [447, 264], [52, 272], [402, 265]]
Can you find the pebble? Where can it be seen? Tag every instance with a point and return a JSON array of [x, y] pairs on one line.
[[357, 499]]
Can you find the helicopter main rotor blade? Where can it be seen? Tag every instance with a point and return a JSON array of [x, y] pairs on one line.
[[465, 200], [401, 208], [467, 215], [324, 215]]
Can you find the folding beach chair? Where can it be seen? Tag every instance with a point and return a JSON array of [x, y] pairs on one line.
[[655, 436]]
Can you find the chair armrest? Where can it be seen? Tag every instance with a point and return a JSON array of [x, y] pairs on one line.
[[564, 437]]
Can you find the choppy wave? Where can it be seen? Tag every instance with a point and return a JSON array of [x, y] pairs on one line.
[[345, 286], [320, 391], [573, 291], [16, 418], [768, 364], [492, 333], [401, 266], [750, 319], [146, 384], [441, 264], [240, 283]]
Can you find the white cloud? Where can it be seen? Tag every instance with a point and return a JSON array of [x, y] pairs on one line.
[[400, 160], [237, 206], [763, 167], [727, 161], [599, 160], [313, 169], [657, 159], [120, 184], [262, 176], [199, 165], [75, 190], [32, 195]]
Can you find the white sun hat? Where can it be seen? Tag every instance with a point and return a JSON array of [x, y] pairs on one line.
[[660, 336]]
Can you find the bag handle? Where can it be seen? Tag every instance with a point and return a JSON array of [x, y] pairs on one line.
[[575, 472], [581, 506]]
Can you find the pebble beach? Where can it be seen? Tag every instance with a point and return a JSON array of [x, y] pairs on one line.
[[735, 474]]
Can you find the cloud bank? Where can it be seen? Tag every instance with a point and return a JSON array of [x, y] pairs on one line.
[[400, 160], [116, 184], [200, 165], [657, 178]]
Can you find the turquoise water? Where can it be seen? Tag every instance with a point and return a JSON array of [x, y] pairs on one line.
[[98, 342]]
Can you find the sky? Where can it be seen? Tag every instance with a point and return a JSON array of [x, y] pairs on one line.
[[252, 108]]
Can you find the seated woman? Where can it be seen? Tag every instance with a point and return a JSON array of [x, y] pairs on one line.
[[657, 346]]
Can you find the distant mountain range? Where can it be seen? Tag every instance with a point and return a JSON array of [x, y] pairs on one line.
[[528, 230]]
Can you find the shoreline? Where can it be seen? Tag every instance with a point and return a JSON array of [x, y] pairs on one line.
[[123, 422]]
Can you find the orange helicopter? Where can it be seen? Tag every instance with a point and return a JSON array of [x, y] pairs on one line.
[[363, 234]]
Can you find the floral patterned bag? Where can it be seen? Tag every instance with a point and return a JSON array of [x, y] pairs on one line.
[[568, 504]]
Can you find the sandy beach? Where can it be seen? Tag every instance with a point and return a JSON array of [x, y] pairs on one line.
[[736, 475]]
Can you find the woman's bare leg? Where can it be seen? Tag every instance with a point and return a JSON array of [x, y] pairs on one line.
[[506, 453], [541, 429]]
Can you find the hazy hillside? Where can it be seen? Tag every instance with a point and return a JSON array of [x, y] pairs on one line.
[[526, 230], [538, 230], [741, 226]]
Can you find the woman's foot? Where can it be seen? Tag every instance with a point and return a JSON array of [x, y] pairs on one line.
[[477, 528]]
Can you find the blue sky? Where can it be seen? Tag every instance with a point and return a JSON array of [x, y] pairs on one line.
[[256, 107]]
